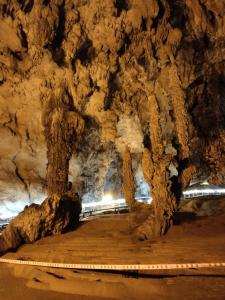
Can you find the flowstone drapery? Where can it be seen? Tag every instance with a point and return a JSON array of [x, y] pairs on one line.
[[166, 159]]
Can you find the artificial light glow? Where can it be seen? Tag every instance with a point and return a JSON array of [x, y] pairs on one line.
[[205, 182], [107, 199]]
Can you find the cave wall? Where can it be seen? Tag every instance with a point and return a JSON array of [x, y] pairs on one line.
[[117, 59]]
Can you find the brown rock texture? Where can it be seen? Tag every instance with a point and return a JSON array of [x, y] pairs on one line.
[[63, 127], [55, 215], [148, 75]]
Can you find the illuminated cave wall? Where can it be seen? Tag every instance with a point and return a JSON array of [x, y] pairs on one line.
[[111, 55]]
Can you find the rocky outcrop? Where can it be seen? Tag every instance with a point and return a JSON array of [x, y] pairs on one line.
[[148, 75], [202, 207], [55, 215]]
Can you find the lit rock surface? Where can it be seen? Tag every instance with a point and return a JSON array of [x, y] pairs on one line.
[[53, 216], [132, 71]]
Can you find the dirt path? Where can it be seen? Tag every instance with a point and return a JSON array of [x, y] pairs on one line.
[[107, 240]]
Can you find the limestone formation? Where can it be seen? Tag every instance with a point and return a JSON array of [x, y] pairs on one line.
[[61, 210], [63, 127], [55, 215], [128, 180], [148, 75]]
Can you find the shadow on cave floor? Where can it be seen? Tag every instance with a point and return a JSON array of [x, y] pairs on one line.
[[164, 274], [183, 217]]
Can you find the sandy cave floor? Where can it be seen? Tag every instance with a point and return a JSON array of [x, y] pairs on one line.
[[107, 240]]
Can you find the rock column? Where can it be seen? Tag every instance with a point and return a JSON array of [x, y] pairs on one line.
[[60, 211]]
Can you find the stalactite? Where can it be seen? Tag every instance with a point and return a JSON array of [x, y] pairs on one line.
[[62, 129], [182, 122], [128, 180], [147, 166]]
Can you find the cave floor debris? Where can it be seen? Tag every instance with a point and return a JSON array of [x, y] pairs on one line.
[[107, 240]]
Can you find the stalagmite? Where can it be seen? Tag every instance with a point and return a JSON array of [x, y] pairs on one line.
[[139, 212], [155, 166]]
